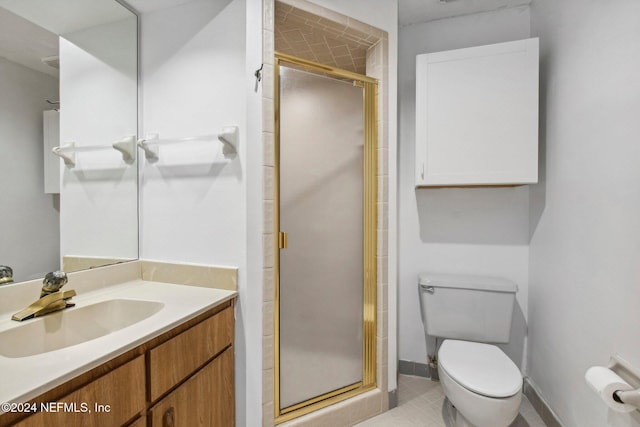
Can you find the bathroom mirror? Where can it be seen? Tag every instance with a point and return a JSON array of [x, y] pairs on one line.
[[68, 79]]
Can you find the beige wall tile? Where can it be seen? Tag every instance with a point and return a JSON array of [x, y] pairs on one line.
[[267, 359], [190, 274], [383, 160], [267, 415], [267, 317], [268, 149], [383, 215], [268, 185], [268, 247], [383, 269], [267, 46], [268, 117], [267, 81], [268, 14], [267, 383], [268, 289], [383, 188], [268, 216], [382, 243]]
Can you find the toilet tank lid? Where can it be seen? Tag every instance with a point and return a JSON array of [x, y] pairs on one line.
[[463, 281]]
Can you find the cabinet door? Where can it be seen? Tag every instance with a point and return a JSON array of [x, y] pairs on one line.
[[111, 400], [51, 134], [477, 115], [204, 400], [169, 363]]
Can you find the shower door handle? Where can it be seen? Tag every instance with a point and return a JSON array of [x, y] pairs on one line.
[[283, 240]]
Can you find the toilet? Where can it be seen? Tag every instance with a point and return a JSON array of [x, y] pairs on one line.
[[471, 314]]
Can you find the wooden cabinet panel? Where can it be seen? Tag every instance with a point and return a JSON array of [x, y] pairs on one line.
[[477, 115], [205, 396], [204, 400], [123, 389], [176, 359], [140, 422]]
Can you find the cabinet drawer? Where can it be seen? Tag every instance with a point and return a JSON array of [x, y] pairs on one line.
[[176, 359], [204, 400], [122, 389]]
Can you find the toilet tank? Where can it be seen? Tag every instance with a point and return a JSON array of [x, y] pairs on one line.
[[471, 308]]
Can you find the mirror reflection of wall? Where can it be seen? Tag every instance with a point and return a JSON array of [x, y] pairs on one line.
[[57, 216]]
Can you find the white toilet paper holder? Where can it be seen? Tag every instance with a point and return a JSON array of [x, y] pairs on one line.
[[630, 374]]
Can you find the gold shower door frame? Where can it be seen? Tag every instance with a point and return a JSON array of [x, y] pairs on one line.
[[370, 193]]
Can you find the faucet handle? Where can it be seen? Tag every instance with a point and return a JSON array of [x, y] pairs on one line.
[[6, 274], [52, 282]]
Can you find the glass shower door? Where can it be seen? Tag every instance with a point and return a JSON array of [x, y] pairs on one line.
[[321, 161]]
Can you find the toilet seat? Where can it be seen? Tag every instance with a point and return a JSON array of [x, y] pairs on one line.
[[480, 368]]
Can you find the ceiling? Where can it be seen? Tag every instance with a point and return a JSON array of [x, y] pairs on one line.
[[26, 43], [415, 11], [67, 16], [410, 11], [146, 6], [29, 28]]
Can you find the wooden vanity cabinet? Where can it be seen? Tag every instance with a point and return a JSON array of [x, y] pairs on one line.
[[183, 378], [81, 410], [191, 404], [176, 359]]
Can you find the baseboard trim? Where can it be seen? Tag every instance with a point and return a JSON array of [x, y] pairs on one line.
[[393, 399], [539, 404], [407, 367]]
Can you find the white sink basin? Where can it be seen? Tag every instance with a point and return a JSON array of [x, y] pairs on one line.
[[74, 326]]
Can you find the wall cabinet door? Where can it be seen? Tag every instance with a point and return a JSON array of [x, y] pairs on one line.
[[477, 115], [51, 135], [204, 400]]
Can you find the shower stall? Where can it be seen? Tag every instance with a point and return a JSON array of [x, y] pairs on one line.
[[325, 208]]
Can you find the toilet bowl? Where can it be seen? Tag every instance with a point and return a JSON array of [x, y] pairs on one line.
[[481, 382]]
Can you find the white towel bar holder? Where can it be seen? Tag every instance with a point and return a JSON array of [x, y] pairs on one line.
[[228, 136], [126, 146]]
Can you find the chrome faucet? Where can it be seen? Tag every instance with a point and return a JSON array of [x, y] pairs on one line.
[[6, 274], [51, 297]]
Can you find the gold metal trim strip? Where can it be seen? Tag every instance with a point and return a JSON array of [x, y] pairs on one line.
[[317, 67], [276, 216], [322, 397], [369, 236], [322, 404]]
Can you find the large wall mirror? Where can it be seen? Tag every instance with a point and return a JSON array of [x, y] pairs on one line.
[[68, 79]]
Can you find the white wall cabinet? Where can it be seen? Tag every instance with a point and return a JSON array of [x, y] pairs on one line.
[[51, 134], [477, 116]]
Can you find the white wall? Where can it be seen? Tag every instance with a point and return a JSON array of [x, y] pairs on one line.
[[473, 231], [249, 408], [98, 94], [193, 198], [383, 14], [29, 217], [584, 269], [198, 60]]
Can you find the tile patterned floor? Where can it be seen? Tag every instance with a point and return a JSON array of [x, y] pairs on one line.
[[420, 403]]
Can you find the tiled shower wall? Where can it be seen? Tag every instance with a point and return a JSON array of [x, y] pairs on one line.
[[371, 403]]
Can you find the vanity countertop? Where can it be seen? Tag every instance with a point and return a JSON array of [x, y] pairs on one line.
[[24, 378]]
